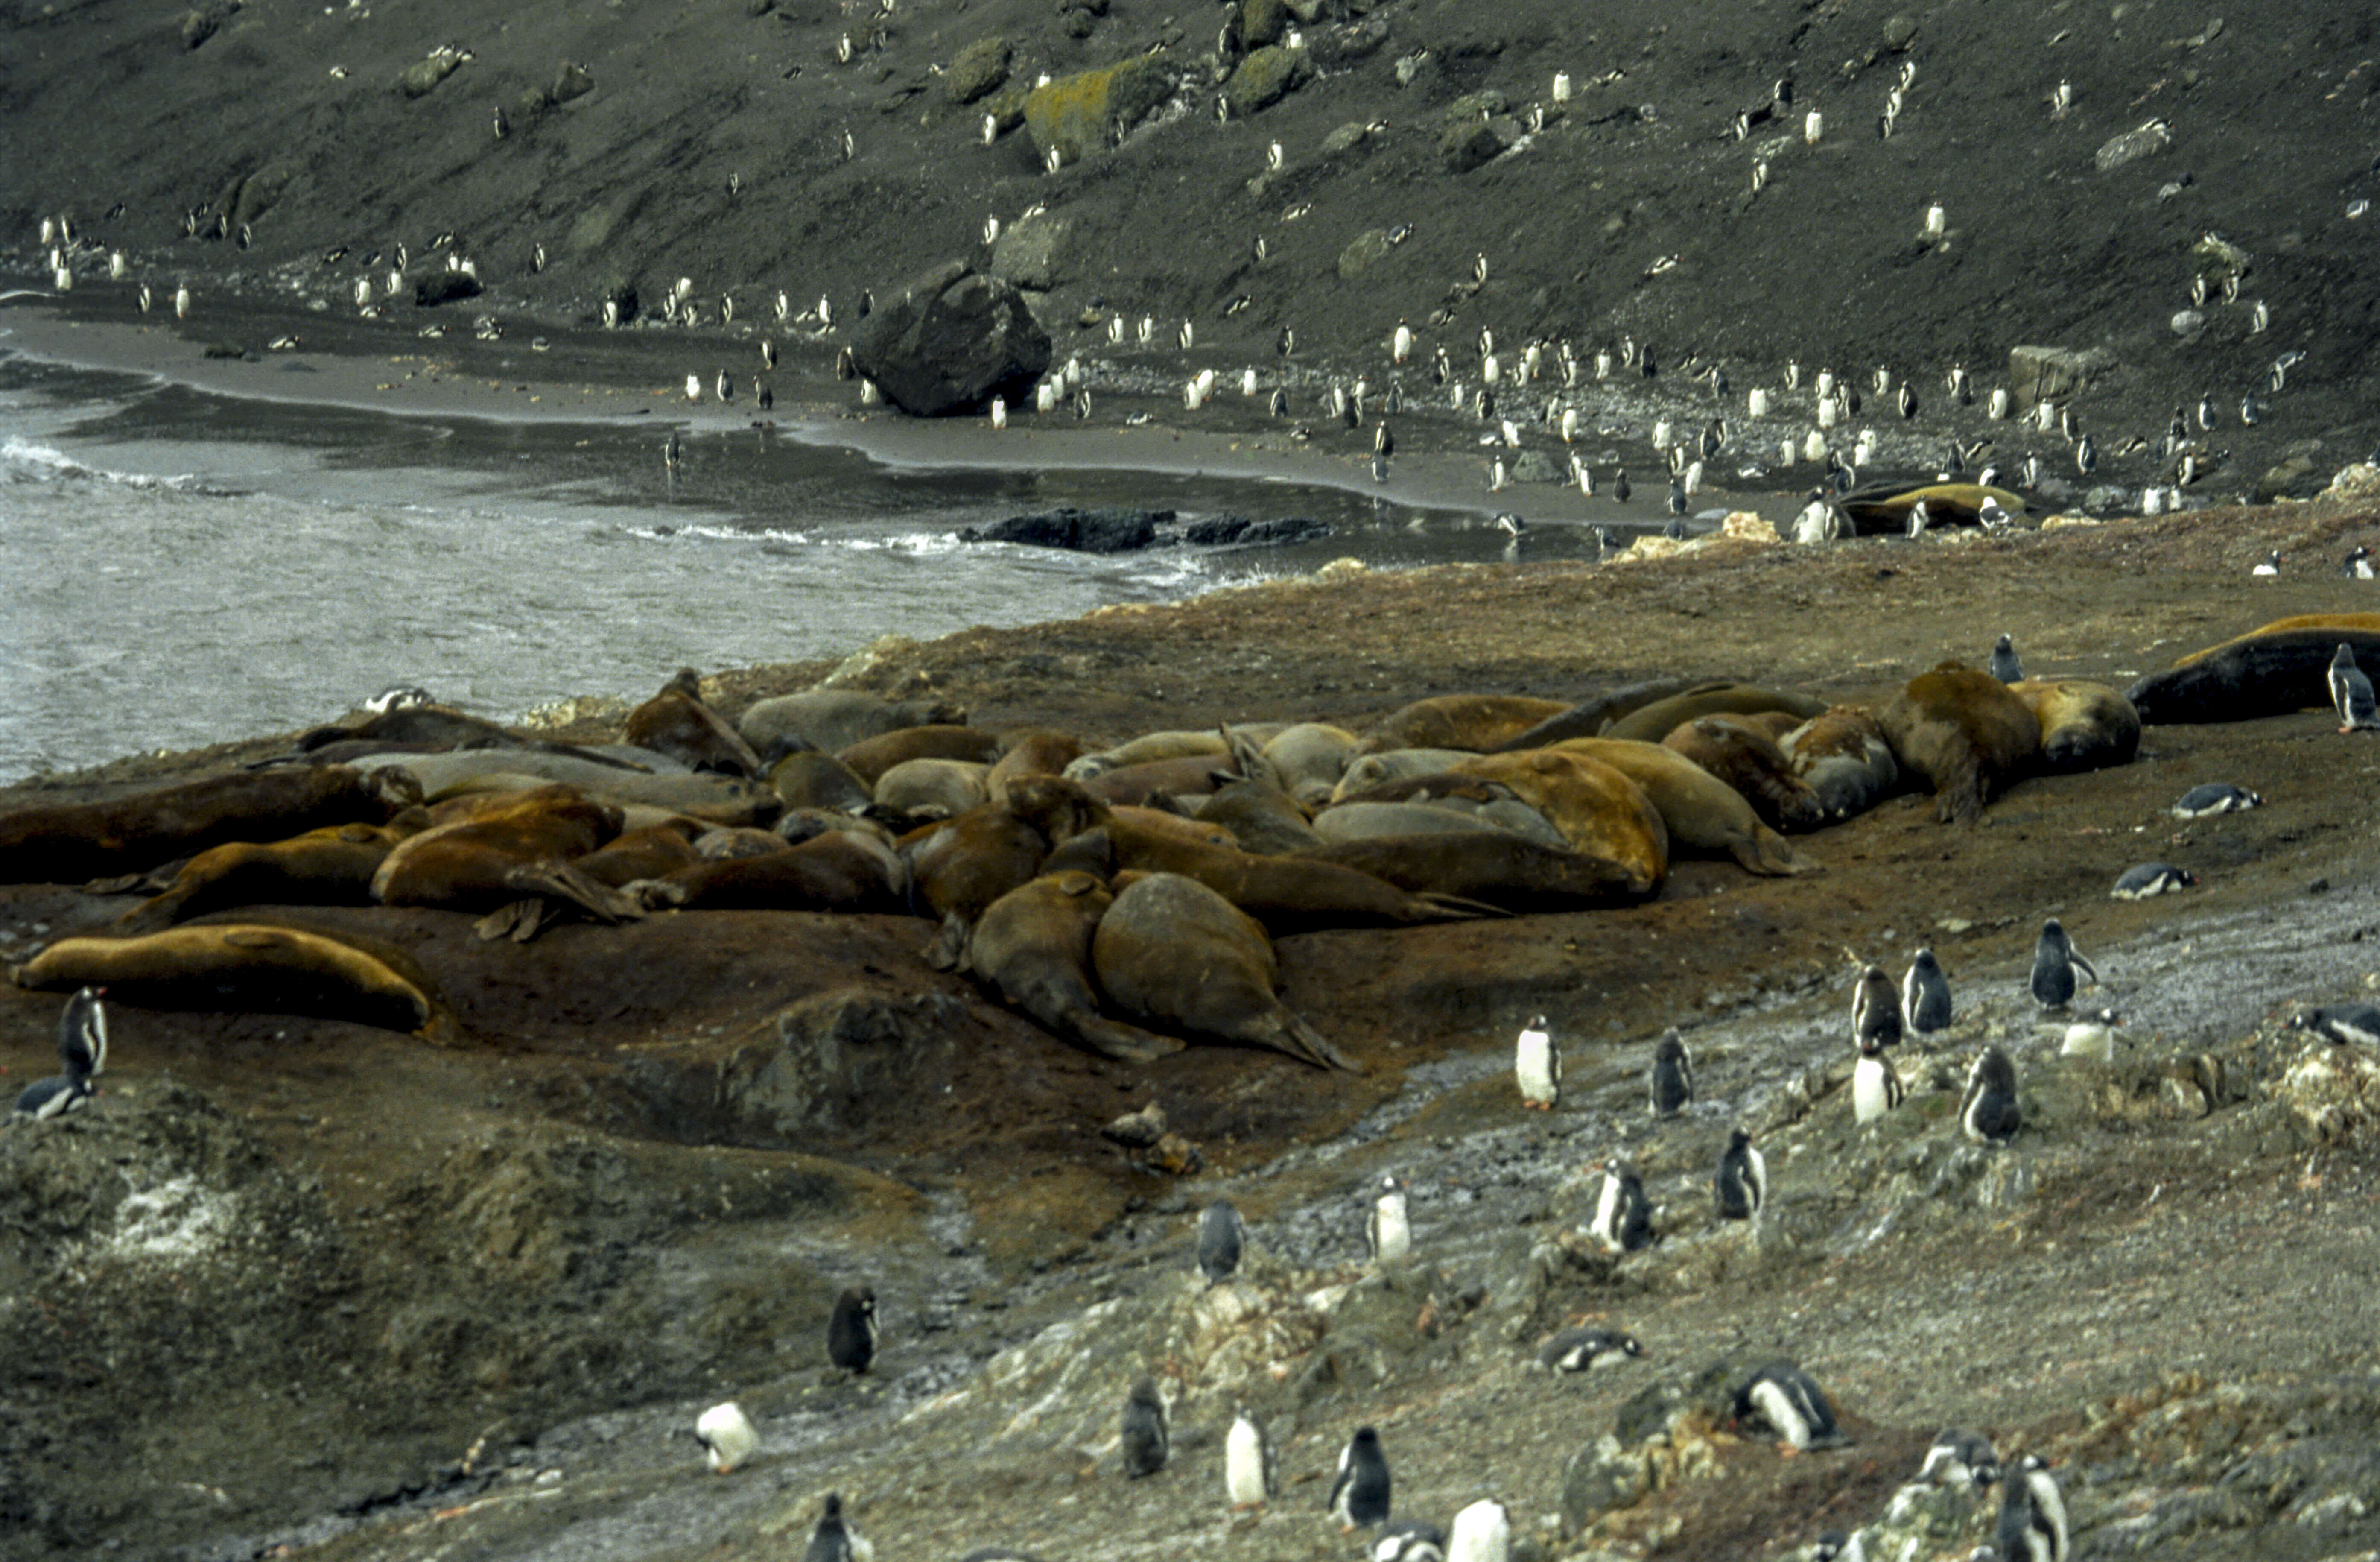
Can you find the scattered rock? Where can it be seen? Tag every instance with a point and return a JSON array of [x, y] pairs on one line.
[[1263, 21], [1082, 532], [949, 341], [201, 22], [571, 82], [2133, 145], [1535, 466], [1346, 137], [977, 71], [444, 287], [2358, 480], [836, 1052], [422, 77], [1265, 78], [2295, 477], [1027, 252], [1239, 529], [2042, 373], [1899, 31], [1469, 144], [1088, 111], [1367, 250]]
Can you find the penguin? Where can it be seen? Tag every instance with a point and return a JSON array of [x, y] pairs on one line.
[[763, 394], [182, 301], [1222, 1234], [2005, 664], [1673, 1074], [1410, 1539], [1359, 1498], [1537, 1064], [1876, 1084], [2033, 1514], [1579, 1351], [1875, 1012], [1741, 1185], [694, 387], [726, 1436], [1961, 1458], [672, 454], [851, 1330], [2149, 879], [1481, 1532], [1925, 995], [833, 1539], [1989, 1113], [2357, 565], [2351, 691], [1386, 1229], [2346, 1024], [1789, 1402], [2093, 1036], [82, 1048], [2054, 960], [1146, 1443], [1620, 489], [1278, 406], [2271, 566], [1251, 1474], [1623, 1216], [2215, 797], [1921, 515], [724, 387]]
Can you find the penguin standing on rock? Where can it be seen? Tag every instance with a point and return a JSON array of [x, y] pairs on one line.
[[1925, 995], [1359, 1498], [2054, 960], [1789, 1402], [1536, 1064], [1989, 1113], [1741, 1185], [1251, 1474], [82, 1047], [851, 1330], [1386, 1229], [2351, 691], [1623, 1216], [1673, 1074], [1146, 1443], [1221, 1234], [2033, 1514], [1875, 1012]]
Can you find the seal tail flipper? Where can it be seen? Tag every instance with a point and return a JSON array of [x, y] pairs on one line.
[[520, 921], [1293, 1036], [1110, 1038], [560, 880], [1455, 908], [1769, 853]]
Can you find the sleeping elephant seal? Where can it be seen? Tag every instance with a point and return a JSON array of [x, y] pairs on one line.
[[509, 854], [1309, 759], [72, 842], [1477, 722], [1651, 722], [1495, 867], [1149, 747], [2084, 726], [959, 867], [1699, 812], [678, 724], [1286, 894], [1034, 752], [2266, 672], [1843, 758], [871, 757], [1184, 959], [931, 788], [833, 719], [1033, 948], [804, 777], [239, 967], [1589, 718], [840, 871], [1599, 810], [1749, 760], [1367, 773], [1966, 734], [327, 867], [650, 851]]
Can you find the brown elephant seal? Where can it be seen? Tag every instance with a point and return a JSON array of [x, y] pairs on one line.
[[1589, 718], [432, 725], [1182, 958], [513, 853], [1260, 816], [1287, 894], [676, 723], [1034, 752], [929, 788], [960, 866], [1700, 812], [332, 866], [1476, 722], [1650, 724], [726, 842], [831, 720], [1424, 815], [1309, 759], [1749, 760], [1191, 775], [1964, 733], [722, 799], [2084, 726], [2267, 672], [72, 842], [871, 757], [1599, 810], [1366, 774], [1492, 867], [652, 852], [807, 778], [836, 871], [1149, 747], [242, 967], [1843, 758], [1032, 946]]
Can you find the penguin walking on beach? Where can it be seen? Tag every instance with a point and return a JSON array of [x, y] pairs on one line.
[[726, 1435], [82, 1048], [1536, 1064], [1359, 1498], [1623, 1216], [1741, 1185], [1789, 1403], [1386, 1229], [2033, 1514], [1989, 1113], [1673, 1074], [2054, 960], [1221, 1234], [851, 1330], [1481, 1532], [1145, 1440], [2351, 691], [1925, 995], [834, 1539], [2005, 664], [1251, 1471]]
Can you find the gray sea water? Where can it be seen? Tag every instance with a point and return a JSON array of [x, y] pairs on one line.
[[179, 569]]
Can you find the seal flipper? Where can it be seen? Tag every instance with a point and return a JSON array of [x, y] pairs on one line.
[[949, 949], [1769, 853], [1298, 1040], [520, 921]]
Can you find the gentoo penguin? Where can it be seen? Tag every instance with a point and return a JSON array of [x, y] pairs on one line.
[[2357, 565], [2351, 692], [851, 1330], [1876, 1083], [2054, 960], [834, 1539], [1673, 1074], [1220, 1233], [82, 1048], [2215, 797], [2093, 1036], [1359, 1498], [1925, 995], [694, 387], [1410, 1539], [2272, 564], [672, 454], [2346, 1024], [1386, 1229], [182, 301], [1481, 1532], [1537, 1064], [1741, 1185], [2147, 879], [1145, 1440], [726, 1435], [1789, 1403], [1623, 1216], [1989, 1113], [1577, 1350], [1875, 1012], [724, 386], [402, 697], [1961, 1458], [2005, 666], [2032, 1514], [1250, 1475]]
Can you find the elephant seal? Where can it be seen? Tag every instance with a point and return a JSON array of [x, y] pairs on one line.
[[1148, 749], [678, 724], [1493, 866], [2084, 726], [1034, 752], [1841, 756], [1287, 894], [1599, 810], [2266, 672], [332, 866], [871, 757], [1182, 957], [1966, 734], [1435, 816], [433, 726], [1260, 816], [831, 720], [1033, 948], [1589, 718], [957, 867], [1477, 722], [71, 842], [1650, 724], [1884, 508], [1699, 812], [1749, 760], [836, 871], [238, 967], [722, 799], [804, 777], [650, 851], [1188, 775], [512, 853], [727, 842], [929, 788], [1367, 773], [1309, 759]]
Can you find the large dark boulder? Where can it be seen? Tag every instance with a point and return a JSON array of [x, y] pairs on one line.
[[1083, 531], [951, 340]]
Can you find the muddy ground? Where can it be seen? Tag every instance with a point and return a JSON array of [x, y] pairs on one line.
[[589, 1209]]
